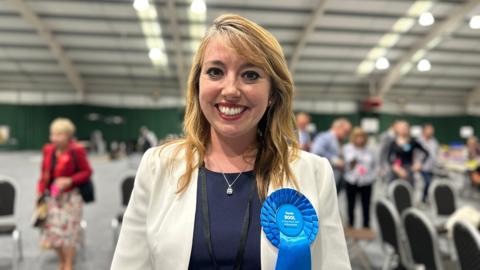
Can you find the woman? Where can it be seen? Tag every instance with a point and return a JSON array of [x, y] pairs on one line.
[[239, 140], [64, 166], [360, 172], [402, 152]]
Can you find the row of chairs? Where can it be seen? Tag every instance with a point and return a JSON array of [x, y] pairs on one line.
[[126, 188], [442, 196], [410, 238], [8, 216]]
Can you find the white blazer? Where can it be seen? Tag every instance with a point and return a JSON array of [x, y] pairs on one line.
[[157, 229]]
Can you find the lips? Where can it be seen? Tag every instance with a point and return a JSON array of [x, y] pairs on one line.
[[230, 111]]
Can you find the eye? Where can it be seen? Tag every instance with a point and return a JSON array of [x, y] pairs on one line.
[[251, 75], [214, 73]]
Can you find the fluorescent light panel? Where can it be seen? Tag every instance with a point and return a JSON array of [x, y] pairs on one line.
[[391, 38], [197, 15], [152, 31]]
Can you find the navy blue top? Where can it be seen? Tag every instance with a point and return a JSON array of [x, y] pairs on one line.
[[226, 221]]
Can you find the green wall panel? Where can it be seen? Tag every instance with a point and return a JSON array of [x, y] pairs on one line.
[[29, 123]]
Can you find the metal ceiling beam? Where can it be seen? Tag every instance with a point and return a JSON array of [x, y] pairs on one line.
[[309, 28], [175, 29], [445, 27], [473, 97], [55, 47]]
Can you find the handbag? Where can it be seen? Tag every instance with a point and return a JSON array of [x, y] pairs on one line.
[[86, 189], [40, 214]]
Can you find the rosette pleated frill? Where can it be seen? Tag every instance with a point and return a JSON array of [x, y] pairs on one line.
[[291, 224]]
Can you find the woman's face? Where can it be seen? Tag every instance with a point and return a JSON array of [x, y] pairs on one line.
[[234, 94], [359, 141], [403, 129], [60, 139]]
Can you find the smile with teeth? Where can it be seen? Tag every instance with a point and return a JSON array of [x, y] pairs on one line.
[[230, 110]]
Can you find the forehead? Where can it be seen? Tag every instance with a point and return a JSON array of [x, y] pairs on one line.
[[220, 49]]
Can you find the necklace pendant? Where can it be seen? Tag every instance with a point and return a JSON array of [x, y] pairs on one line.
[[229, 191]]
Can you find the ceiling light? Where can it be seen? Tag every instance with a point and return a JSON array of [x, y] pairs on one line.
[[140, 5], [475, 22], [155, 54], [382, 63], [426, 19], [424, 65], [198, 6]]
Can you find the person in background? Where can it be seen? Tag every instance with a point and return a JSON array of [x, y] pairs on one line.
[[473, 157], [401, 153], [473, 148], [64, 167], [304, 140], [97, 143], [360, 173], [428, 141], [386, 139], [328, 144], [147, 139]]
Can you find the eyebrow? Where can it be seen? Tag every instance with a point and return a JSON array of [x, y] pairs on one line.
[[220, 63]]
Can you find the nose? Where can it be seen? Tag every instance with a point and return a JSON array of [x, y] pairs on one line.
[[231, 89]]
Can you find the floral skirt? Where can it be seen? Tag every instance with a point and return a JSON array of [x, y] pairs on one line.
[[62, 226]]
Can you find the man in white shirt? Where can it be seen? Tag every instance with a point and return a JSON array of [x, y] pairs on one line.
[[428, 142]]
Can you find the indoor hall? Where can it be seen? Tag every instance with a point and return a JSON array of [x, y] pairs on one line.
[[367, 108]]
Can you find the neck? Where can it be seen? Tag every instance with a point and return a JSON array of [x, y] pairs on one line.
[[230, 154]]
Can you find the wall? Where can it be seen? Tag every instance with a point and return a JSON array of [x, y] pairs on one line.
[[29, 123], [447, 127]]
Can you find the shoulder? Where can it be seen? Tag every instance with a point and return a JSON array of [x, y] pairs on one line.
[[165, 154], [348, 147], [48, 149], [313, 164], [77, 148]]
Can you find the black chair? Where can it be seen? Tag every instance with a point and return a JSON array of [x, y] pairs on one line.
[[466, 239], [8, 216], [125, 191], [443, 198], [423, 240], [401, 194], [393, 236]]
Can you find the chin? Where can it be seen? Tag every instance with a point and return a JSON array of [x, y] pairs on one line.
[[231, 131]]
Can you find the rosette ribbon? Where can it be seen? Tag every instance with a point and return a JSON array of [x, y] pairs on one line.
[[291, 224]]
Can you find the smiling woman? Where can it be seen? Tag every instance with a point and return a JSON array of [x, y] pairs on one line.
[[196, 201]]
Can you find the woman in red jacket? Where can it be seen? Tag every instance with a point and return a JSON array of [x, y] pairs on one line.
[[64, 167]]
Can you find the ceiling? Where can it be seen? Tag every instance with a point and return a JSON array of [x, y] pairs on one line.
[[89, 47]]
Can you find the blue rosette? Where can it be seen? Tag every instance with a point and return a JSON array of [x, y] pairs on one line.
[[291, 224]]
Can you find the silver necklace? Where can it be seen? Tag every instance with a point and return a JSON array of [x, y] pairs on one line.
[[230, 189]]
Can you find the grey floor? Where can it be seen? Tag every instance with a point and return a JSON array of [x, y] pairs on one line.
[[24, 168]]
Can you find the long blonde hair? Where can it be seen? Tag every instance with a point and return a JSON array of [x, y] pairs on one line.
[[277, 144]]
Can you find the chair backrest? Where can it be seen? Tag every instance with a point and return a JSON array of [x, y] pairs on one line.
[[442, 197], [401, 193], [466, 239], [391, 231], [127, 187], [8, 196], [422, 239]]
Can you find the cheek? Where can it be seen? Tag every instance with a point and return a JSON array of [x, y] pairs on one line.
[[207, 92]]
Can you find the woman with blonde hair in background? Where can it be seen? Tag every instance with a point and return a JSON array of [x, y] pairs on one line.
[[64, 167], [196, 201], [360, 173]]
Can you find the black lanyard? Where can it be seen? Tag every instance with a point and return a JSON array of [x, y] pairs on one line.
[[206, 224]]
